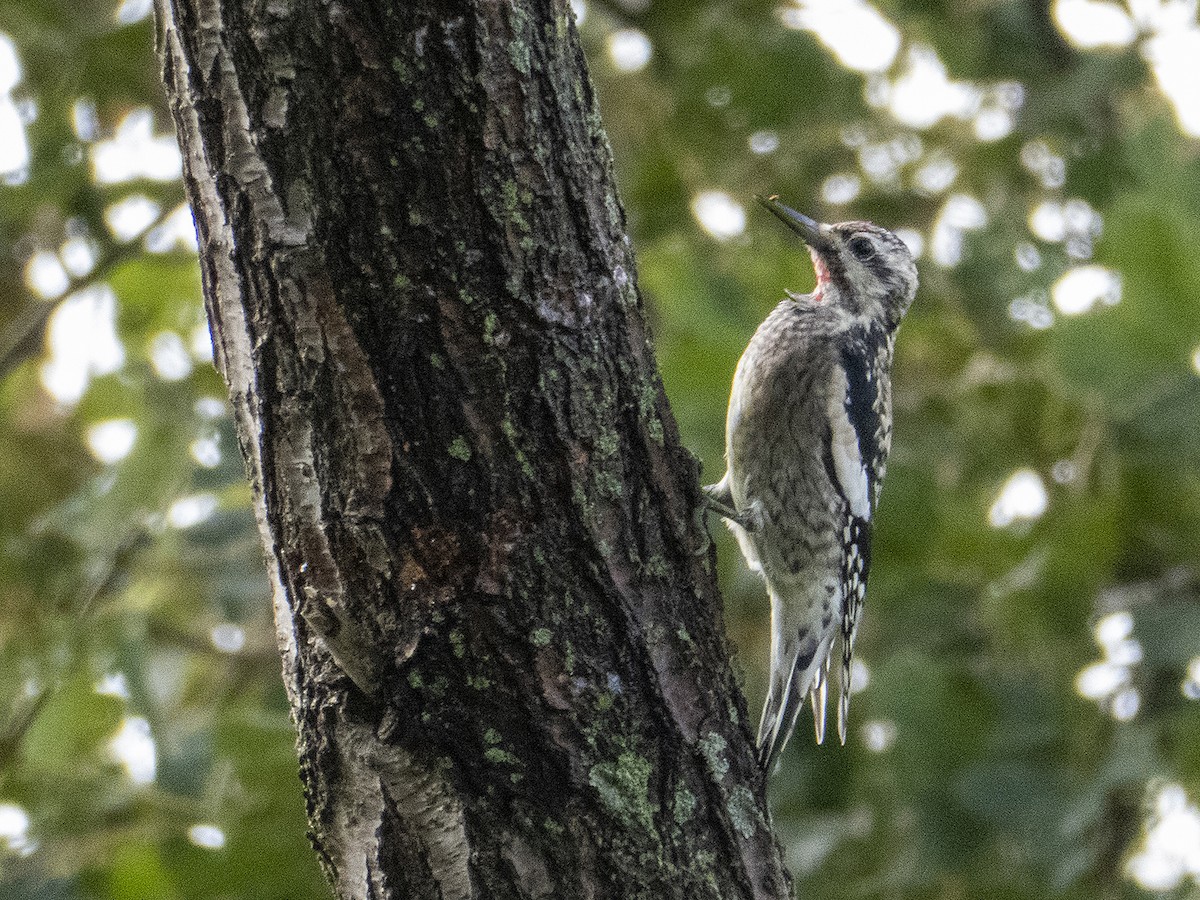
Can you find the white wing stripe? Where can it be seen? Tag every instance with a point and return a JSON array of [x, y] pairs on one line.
[[847, 457]]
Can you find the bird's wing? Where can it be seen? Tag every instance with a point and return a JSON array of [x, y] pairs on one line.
[[846, 459], [858, 430], [855, 451]]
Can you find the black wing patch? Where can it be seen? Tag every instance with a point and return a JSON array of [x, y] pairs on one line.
[[859, 355]]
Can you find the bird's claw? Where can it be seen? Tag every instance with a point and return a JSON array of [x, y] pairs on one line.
[[751, 520]]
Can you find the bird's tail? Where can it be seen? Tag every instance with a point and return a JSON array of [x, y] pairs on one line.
[[806, 672], [818, 696], [845, 680], [778, 721]]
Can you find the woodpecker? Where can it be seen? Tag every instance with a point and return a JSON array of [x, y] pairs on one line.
[[806, 443]]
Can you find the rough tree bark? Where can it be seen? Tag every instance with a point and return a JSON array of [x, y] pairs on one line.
[[494, 591]]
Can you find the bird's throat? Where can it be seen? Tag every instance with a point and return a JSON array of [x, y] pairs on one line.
[[822, 272]]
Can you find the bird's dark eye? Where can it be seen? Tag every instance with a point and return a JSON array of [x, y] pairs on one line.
[[862, 247]]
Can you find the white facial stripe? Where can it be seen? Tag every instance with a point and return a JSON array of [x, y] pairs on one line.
[[847, 457]]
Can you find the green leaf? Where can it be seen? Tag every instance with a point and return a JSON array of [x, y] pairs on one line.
[[71, 728]]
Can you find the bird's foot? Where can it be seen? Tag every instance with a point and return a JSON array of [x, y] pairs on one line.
[[751, 520], [721, 509]]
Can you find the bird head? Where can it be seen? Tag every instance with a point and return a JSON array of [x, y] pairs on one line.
[[860, 267]]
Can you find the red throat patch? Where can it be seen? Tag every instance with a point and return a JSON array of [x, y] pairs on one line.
[[822, 275]]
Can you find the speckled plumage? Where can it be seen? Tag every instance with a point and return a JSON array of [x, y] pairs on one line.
[[807, 438]]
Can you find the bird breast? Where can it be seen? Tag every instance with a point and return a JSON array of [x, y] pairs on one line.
[[776, 456]]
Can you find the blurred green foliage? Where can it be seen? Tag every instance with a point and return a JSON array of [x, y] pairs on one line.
[[135, 605]]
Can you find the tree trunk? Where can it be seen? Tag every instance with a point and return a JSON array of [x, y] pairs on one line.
[[495, 600]]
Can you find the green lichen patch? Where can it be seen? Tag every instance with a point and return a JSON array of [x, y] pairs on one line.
[[684, 804], [541, 637], [704, 863], [623, 787], [518, 47], [514, 199], [656, 566], [655, 430], [648, 398], [500, 757], [743, 811], [712, 746], [608, 443], [458, 449], [527, 468], [491, 324], [518, 53], [491, 736], [608, 484]]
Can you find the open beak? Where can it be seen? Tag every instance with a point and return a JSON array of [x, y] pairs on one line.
[[808, 229]]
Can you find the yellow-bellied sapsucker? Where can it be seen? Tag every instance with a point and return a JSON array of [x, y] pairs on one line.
[[807, 438]]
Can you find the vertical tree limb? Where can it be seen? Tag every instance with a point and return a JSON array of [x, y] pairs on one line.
[[495, 599]]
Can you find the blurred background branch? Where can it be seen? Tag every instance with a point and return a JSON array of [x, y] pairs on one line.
[[25, 334]]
